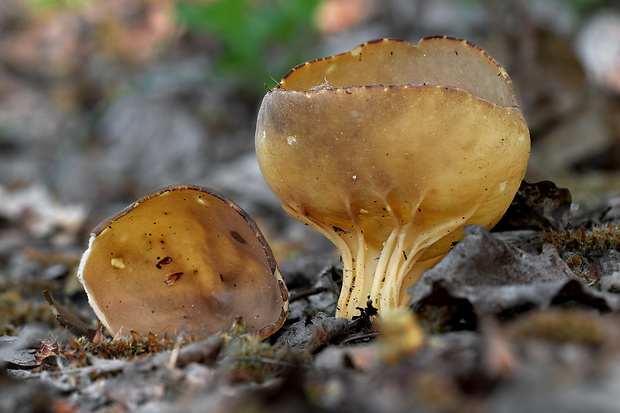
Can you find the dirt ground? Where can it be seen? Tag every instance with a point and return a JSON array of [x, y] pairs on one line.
[[103, 104]]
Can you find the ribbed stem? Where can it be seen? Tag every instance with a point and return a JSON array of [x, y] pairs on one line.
[[378, 273]]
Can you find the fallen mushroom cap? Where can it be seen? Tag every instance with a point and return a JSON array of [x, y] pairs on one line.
[[389, 150], [183, 257]]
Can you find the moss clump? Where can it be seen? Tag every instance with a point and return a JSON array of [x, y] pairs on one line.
[[247, 358], [594, 242], [582, 249], [131, 346], [54, 355]]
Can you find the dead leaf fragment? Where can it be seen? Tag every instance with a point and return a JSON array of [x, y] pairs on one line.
[[538, 206], [483, 275]]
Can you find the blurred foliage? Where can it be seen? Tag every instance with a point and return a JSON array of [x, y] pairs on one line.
[[258, 38], [585, 7], [56, 5]]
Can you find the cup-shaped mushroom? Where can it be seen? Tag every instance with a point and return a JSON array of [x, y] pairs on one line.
[[389, 150], [184, 257]]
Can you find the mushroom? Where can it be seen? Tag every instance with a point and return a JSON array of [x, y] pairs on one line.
[[184, 257], [389, 150]]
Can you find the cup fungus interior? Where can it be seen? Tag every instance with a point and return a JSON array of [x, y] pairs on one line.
[[183, 257], [389, 150], [439, 61]]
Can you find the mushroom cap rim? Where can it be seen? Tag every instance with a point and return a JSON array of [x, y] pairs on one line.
[[417, 86], [389, 39]]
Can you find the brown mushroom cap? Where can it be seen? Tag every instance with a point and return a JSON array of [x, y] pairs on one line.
[[389, 150], [183, 257]]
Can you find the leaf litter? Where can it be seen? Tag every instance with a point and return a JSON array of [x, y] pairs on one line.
[[505, 317]]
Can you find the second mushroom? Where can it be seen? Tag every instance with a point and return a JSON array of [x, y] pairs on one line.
[[184, 258], [389, 150]]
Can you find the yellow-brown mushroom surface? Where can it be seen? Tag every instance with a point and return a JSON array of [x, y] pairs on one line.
[[389, 150], [183, 257]]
